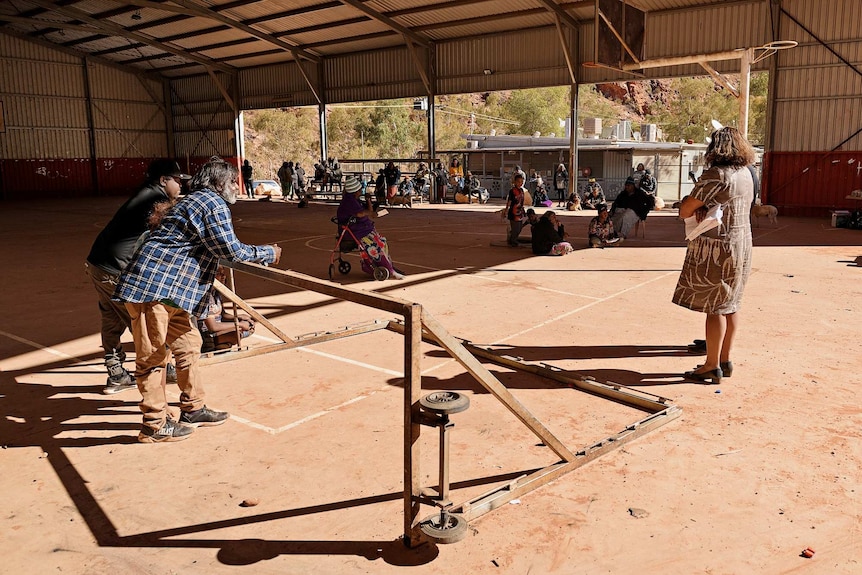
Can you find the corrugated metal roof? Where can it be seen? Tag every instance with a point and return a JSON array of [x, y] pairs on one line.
[[235, 34]]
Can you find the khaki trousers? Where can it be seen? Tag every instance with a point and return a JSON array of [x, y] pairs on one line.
[[153, 325], [115, 318]]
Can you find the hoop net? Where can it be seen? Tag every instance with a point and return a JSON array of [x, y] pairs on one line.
[[771, 48]]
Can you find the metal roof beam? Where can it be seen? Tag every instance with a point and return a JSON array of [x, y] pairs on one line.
[[560, 13], [194, 8], [112, 29], [389, 22]]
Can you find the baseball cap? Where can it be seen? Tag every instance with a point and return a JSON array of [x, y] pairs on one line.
[[165, 167]]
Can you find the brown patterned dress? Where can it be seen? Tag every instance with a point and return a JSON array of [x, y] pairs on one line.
[[717, 263]]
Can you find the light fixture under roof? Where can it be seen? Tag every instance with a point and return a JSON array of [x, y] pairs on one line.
[[136, 15]]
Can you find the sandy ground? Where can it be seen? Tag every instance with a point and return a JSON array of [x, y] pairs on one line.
[[753, 472]]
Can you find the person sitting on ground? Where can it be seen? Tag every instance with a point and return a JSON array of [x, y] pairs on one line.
[[540, 196], [594, 196], [573, 204], [631, 206], [218, 329], [549, 237], [601, 230], [358, 217]]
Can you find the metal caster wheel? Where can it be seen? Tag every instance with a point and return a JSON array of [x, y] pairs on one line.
[[445, 528], [381, 274], [343, 267], [445, 402]]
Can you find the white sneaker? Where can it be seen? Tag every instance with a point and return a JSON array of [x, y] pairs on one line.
[[397, 276]]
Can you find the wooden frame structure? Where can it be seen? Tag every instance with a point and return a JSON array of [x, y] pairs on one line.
[[417, 325]]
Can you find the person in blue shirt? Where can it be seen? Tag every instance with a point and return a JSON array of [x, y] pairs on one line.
[[166, 286]]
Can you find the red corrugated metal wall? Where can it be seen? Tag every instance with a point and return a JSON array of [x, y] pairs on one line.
[[811, 183], [31, 179]]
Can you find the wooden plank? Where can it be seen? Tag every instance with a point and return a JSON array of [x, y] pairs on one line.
[[619, 393], [493, 385], [412, 429], [310, 283], [495, 498], [242, 353], [627, 396], [255, 315], [303, 341]]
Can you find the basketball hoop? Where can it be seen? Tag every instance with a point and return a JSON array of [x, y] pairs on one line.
[[771, 48]]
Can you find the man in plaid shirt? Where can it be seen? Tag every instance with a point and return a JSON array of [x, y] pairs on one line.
[[165, 288]]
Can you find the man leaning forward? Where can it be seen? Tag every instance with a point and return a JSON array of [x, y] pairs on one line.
[[165, 287]]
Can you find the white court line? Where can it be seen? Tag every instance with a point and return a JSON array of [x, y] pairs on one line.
[[275, 431], [39, 346], [538, 288], [583, 307]]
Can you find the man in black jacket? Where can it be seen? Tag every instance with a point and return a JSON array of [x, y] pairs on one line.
[[632, 205], [111, 253]]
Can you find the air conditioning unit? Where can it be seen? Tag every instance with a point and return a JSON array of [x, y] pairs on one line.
[[473, 144], [592, 127]]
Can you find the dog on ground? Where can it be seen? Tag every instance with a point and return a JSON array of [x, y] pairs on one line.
[[769, 212], [574, 203]]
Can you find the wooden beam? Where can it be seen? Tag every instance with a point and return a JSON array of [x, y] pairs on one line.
[[255, 315], [682, 60], [412, 428], [371, 299], [719, 79], [495, 498], [494, 386]]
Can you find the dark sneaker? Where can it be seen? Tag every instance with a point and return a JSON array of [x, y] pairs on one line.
[[172, 373], [118, 378], [204, 417], [170, 431]]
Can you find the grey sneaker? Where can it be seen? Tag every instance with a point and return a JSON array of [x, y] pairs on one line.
[[204, 417], [170, 431], [118, 378], [171, 373]]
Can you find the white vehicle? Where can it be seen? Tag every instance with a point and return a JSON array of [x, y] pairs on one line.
[[266, 188]]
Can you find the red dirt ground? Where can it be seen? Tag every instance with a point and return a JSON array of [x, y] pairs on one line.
[[741, 483]]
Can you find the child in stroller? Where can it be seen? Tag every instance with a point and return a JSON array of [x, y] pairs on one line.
[[356, 231]]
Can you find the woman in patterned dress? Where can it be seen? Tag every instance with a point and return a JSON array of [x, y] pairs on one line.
[[718, 262]]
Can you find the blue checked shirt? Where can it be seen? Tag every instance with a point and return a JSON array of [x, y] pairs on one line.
[[178, 260]]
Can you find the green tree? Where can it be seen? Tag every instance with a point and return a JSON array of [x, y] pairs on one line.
[[758, 93], [537, 110], [694, 102]]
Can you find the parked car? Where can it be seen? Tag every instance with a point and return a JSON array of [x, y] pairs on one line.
[[266, 188]]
